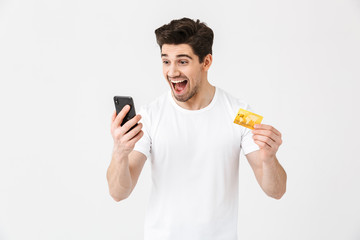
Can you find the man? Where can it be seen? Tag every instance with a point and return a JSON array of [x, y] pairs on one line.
[[194, 146]]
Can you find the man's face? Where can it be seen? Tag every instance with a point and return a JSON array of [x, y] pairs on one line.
[[182, 69]]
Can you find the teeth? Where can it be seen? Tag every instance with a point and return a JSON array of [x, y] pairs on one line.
[[178, 81]]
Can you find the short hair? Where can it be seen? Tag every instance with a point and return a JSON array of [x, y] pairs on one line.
[[197, 34]]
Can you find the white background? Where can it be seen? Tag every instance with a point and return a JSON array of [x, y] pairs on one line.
[[61, 62]]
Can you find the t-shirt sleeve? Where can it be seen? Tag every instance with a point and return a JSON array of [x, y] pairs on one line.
[[247, 142], [144, 144]]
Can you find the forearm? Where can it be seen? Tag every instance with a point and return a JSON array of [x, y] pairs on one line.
[[119, 177], [273, 179]]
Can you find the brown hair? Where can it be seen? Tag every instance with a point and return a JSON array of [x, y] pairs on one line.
[[197, 34]]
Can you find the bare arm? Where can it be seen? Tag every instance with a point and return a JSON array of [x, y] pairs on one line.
[[126, 164], [270, 175], [123, 174]]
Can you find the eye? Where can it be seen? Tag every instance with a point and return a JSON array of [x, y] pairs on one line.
[[182, 62], [165, 62]]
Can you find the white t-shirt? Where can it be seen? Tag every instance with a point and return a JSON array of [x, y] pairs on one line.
[[195, 168]]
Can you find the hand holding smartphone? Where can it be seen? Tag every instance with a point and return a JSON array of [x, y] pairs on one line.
[[120, 103], [125, 129]]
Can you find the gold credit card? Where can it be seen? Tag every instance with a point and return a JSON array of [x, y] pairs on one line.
[[247, 119]]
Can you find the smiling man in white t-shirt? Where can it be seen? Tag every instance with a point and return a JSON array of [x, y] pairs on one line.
[[189, 136]]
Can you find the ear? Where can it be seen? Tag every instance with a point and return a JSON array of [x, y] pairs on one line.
[[207, 62]]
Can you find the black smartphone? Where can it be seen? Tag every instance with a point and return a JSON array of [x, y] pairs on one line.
[[120, 102]]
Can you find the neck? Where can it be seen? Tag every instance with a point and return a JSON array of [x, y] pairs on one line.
[[200, 100]]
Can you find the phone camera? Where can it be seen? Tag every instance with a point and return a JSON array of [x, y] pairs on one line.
[[116, 101]]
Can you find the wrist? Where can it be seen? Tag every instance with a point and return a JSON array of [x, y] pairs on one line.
[[270, 161], [119, 156]]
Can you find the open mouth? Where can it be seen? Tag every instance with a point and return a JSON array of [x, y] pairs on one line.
[[179, 86]]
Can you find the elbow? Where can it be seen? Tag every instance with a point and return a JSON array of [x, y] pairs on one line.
[[281, 190], [119, 197], [278, 195]]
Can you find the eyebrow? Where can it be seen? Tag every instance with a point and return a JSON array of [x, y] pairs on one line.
[[177, 56]]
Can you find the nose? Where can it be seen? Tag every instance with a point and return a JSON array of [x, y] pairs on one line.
[[173, 71]]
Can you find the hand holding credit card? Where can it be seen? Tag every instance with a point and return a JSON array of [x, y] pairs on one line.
[[247, 119]]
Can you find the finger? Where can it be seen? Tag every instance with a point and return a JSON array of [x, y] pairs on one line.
[[129, 124], [129, 135], [264, 139], [262, 144], [267, 133], [267, 127], [120, 117], [132, 142], [136, 138], [113, 116], [112, 120]]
